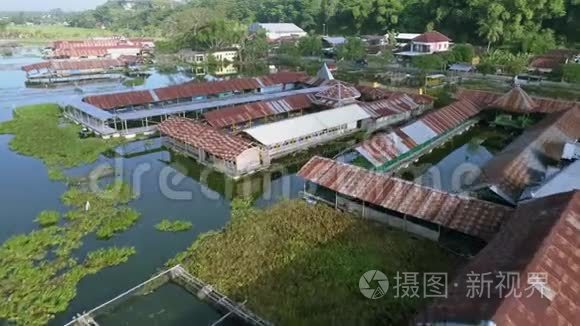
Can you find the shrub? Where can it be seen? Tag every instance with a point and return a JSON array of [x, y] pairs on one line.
[[48, 218]]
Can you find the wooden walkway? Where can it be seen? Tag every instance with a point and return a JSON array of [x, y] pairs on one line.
[[180, 276]]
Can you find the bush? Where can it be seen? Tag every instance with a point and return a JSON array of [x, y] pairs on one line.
[[48, 218], [173, 226], [571, 73]]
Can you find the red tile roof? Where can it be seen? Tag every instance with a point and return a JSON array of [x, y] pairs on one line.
[[524, 162], [541, 237], [211, 140], [86, 64], [467, 215], [431, 37], [243, 113]]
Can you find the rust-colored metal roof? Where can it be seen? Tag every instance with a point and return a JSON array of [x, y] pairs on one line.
[[283, 77], [395, 104], [79, 52], [542, 104], [247, 112], [515, 100], [339, 91], [524, 162], [451, 116], [542, 237], [384, 147], [101, 43], [431, 37], [86, 64], [190, 90], [467, 215], [186, 91], [378, 93], [117, 100], [547, 62], [211, 140]]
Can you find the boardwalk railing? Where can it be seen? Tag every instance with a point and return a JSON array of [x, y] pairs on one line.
[[180, 276]]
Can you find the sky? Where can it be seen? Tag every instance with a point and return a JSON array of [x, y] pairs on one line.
[[35, 5]]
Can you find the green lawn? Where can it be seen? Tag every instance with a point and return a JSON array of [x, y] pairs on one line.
[[299, 264], [41, 132]]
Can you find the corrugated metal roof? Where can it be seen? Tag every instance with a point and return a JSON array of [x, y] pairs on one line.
[[378, 93], [381, 147], [542, 104], [281, 131], [419, 132], [524, 162], [79, 52], [113, 101], [540, 239], [190, 90], [281, 27], [515, 100], [211, 140], [87, 64], [467, 215], [395, 104], [339, 91], [242, 113], [565, 180]]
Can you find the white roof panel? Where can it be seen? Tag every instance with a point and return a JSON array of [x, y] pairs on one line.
[[281, 28], [281, 131], [419, 132]]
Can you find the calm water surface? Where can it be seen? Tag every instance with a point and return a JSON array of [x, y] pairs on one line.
[[205, 201]]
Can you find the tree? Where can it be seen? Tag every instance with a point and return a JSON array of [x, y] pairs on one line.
[[428, 62], [537, 42], [353, 49], [486, 68], [462, 53], [254, 47], [218, 34], [310, 46], [571, 73], [492, 28]]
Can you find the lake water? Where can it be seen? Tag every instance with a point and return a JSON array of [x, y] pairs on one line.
[[168, 187]]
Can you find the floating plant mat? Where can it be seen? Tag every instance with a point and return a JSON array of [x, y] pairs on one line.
[[38, 271]]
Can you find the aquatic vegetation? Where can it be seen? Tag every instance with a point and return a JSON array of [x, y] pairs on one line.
[[39, 277], [39, 131], [48, 218], [282, 259], [173, 226]]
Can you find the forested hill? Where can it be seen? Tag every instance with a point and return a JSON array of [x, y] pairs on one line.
[[476, 21]]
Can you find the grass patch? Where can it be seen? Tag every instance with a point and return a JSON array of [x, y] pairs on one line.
[[45, 33], [173, 226], [299, 264], [38, 272], [40, 132], [48, 218]]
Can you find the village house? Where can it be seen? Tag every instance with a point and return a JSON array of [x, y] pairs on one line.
[[201, 57], [427, 43]]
